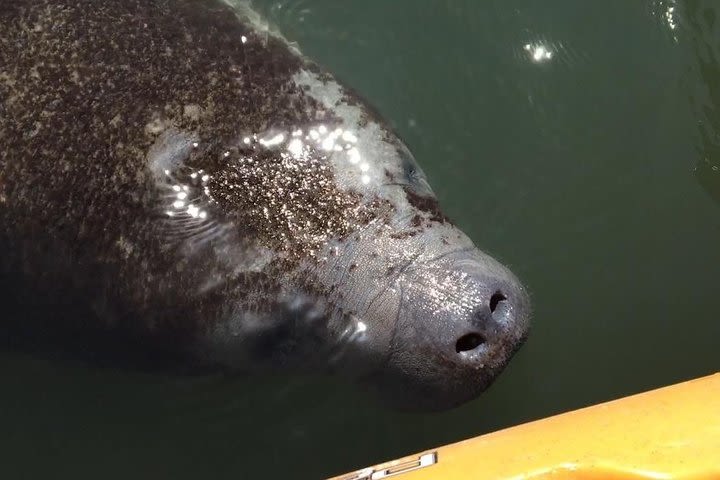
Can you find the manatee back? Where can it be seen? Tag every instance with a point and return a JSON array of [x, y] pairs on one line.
[[88, 88]]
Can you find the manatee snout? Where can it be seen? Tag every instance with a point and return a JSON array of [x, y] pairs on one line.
[[460, 322]]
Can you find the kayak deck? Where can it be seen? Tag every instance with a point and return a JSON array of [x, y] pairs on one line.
[[669, 433]]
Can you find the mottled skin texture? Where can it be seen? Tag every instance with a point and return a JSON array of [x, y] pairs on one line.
[[78, 97], [275, 269]]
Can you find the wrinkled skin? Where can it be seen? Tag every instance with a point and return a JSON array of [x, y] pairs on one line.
[[180, 188]]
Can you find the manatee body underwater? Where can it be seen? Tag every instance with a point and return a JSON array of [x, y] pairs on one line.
[[181, 189]]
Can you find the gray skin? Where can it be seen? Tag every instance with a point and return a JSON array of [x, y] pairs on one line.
[[181, 189]]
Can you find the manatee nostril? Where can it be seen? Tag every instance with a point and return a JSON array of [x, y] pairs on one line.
[[469, 342], [496, 299]]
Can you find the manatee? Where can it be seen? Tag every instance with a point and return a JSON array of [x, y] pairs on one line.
[[181, 189]]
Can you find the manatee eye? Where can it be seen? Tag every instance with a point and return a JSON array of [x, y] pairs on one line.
[[410, 169], [412, 174]]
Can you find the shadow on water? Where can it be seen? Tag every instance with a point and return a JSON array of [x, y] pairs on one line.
[[703, 19]]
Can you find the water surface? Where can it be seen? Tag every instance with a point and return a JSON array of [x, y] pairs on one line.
[[576, 141]]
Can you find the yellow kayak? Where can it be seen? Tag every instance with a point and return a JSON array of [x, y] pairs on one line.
[[670, 433]]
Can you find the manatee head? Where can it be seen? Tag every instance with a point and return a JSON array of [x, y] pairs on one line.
[[367, 277], [440, 319], [327, 244], [423, 317]]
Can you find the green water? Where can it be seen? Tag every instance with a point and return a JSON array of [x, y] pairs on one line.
[[595, 174]]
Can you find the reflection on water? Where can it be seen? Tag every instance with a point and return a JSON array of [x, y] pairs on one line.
[[708, 176], [704, 37], [538, 52], [666, 11]]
